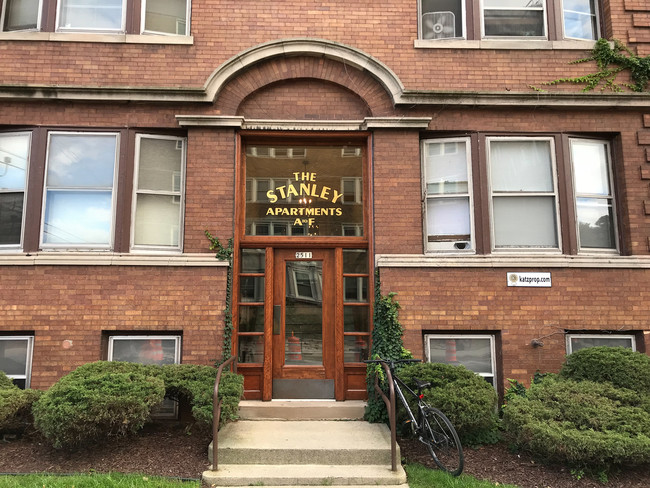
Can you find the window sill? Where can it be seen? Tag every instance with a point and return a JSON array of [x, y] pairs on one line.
[[510, 260], [533, 44], [92, 258], [103, 38]]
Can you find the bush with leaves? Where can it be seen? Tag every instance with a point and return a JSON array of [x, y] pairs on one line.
[[196, 384], [95, 402], [586, 425], [104, 399], [464, 397], [15, 406], [622, 367]]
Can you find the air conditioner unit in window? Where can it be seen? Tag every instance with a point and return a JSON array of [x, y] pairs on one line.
[[438, 25]]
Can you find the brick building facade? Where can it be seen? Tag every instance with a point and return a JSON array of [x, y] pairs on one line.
[[329, 142]]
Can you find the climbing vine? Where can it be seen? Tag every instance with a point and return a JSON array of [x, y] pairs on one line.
[[386, 344], [611, 61], [224, 253]]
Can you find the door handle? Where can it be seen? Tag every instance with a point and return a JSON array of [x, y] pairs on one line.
[[277, 316]]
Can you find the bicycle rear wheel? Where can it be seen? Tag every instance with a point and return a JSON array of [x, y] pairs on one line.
[[442, 441]]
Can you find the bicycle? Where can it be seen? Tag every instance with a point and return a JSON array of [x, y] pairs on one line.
[[431, 426]]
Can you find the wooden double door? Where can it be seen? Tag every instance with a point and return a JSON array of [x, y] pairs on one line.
[[304, 324]]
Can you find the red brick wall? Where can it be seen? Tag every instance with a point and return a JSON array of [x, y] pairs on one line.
[[385, 30], [479, 300], [78, 303]]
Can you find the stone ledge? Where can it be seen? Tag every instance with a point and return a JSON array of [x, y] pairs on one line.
[[510, 261], [108, 259]]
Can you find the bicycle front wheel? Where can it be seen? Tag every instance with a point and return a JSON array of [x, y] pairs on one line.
[[442, 441]]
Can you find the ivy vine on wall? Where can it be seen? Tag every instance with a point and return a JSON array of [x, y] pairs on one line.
[[386, 344], [610, 60], [225, 253]]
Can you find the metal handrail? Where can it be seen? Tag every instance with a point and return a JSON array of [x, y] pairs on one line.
[[390, 406], [216, 409]]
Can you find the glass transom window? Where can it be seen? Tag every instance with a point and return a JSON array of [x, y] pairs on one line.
[[304, 190]]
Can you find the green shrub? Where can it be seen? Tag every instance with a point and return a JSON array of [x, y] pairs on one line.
[[617, 365], [96, 401], [114, 398], [196, 384], [583, 424], [467, 399], [5, 381], [16, 408]]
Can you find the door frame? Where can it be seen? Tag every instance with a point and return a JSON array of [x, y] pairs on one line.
[[277, 351], [349, 377]]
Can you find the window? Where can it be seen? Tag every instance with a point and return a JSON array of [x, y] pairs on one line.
[[514, 18], [351, 188], [575, 342], [165, 16], [594, 199], [79, 190], [523, 190], [21, 15], [14, 161], [91, 15], [580, 19], [16, 358], [148, 350], [448, 195], [475, 352], [158, 192], [158, 17], [442, 19]]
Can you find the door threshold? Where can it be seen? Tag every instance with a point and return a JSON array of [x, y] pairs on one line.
[[303, 400]]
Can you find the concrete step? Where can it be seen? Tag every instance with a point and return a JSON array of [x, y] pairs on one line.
[[303, 475], [304, 442], [301, 410]]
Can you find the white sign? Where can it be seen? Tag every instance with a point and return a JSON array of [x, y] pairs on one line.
[[530, 279], [303, 255]]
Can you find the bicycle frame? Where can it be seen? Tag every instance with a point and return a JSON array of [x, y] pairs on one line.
[[398, 383]]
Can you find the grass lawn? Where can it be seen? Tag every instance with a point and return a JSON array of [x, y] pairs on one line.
[[422, 477], [113, 480], [418, 477]]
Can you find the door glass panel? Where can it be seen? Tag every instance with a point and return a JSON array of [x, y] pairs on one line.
[[304, 313], [355, 261], [253, 260]]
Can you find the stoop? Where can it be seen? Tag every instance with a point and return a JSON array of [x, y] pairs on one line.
[[298, 444]]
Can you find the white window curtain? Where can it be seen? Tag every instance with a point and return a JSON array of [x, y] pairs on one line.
[[159, 192]]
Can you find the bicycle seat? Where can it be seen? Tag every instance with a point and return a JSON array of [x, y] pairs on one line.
[[421, 385]]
